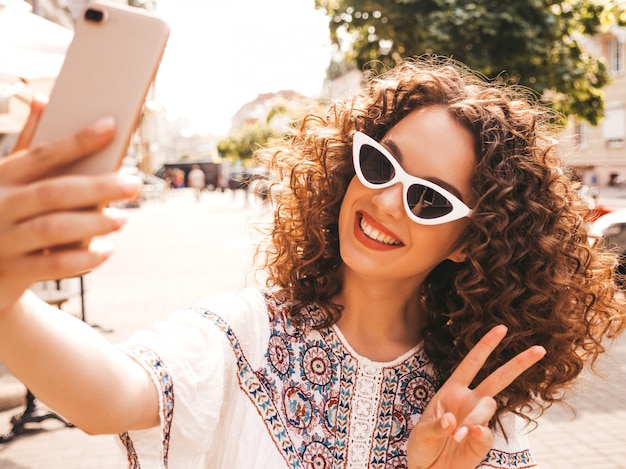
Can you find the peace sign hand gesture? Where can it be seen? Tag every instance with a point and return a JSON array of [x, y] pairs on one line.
[[453, 431]]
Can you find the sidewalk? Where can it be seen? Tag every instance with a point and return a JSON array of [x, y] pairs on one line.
[[149, 277]]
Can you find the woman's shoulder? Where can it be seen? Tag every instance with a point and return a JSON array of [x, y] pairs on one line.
[[234, 306], [240, 311], [253, 315]]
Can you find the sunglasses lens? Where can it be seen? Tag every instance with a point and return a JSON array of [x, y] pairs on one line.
[[427, 203], [375, 166], [424, 202]]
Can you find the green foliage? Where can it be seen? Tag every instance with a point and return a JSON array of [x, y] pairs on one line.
[[532, 43], [284, 115], [241, 144]]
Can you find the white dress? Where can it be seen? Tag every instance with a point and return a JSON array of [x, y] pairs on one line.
[[241, 387]]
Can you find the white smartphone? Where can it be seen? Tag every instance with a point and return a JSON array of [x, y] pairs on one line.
[[108, 69]]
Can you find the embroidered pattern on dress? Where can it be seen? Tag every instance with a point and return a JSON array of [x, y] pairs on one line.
[[500, 459], [162, 378], [257, 393], [323, 407], [133, 459]]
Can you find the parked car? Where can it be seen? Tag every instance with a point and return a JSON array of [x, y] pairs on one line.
[[612, 227], [153, 187]]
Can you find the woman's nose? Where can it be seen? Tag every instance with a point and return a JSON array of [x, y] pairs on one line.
[[389, 200]]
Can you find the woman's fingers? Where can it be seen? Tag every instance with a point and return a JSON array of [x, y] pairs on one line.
[[58, 229], [28, 165], [59, 264], [479, 415], [427, 439], [64, 193], [497, 381], [477, 356], [37, 105]]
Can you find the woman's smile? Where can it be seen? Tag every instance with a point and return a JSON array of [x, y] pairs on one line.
[[374, 235]]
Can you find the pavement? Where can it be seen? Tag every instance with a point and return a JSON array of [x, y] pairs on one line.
[[175, 251]]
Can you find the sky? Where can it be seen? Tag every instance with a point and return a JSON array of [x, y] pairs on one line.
[[222, 54]]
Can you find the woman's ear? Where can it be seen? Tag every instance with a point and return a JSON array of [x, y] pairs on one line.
[[458, 255]]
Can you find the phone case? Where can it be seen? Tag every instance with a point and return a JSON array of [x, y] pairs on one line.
[[108, 69]]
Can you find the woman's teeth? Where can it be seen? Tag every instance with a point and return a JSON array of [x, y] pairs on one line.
[[377, 235]]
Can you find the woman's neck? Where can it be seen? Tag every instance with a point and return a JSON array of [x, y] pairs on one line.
[[380, 320]]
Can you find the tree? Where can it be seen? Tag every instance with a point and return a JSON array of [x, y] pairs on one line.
[[285, 111], [241, 144], [532, 43]]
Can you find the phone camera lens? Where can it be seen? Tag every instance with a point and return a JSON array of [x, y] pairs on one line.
[[94, 15]]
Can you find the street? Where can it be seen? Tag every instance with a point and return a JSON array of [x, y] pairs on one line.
[[174, 252]]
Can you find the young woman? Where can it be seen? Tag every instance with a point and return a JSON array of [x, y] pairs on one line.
[[431, 282]]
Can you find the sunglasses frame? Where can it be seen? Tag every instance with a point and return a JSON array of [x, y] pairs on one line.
[[459, 209]]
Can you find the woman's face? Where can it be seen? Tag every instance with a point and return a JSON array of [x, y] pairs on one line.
[[377, 238]]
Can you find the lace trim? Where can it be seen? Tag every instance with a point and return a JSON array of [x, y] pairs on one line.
[[372, 405], [366, 404]]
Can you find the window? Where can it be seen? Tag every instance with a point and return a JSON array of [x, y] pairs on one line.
[[614, 125], [616, 56]]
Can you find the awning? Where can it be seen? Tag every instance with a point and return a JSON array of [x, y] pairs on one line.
[[32, 50]]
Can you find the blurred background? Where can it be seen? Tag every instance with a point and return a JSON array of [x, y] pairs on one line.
[[237, 74]]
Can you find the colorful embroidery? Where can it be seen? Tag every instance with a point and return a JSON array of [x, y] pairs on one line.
[[337, 413], [259, 393], [500, 460], [133, 459], [162, 378], [325, 408]]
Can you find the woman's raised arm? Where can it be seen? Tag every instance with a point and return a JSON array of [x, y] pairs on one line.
[[60, 359]]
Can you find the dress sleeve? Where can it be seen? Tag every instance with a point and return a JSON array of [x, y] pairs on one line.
[[192, 365], [512, 452]]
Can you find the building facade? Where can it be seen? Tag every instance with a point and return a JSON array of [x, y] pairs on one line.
[[598, 153]]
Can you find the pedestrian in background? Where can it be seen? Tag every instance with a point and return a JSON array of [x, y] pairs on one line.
[[197, 180], [431, 284]]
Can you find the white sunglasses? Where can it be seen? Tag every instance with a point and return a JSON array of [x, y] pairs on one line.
[[426, 203]]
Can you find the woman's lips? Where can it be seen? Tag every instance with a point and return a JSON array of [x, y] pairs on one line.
[[374, 235]]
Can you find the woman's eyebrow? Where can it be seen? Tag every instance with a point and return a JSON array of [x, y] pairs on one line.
[[397, 154]]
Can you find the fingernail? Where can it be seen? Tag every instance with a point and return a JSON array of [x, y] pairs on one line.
[[444, 422], [460, 434], [103, 248], [41, 98], [103, 126], [118, 217], [129, 184]]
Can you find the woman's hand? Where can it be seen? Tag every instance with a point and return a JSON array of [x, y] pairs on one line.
[[38, 214], [453, 431]]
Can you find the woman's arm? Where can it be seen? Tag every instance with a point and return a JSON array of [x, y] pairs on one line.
[[74, 370], [60, 359]]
